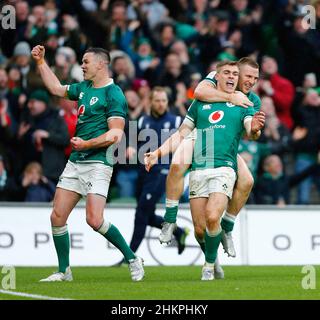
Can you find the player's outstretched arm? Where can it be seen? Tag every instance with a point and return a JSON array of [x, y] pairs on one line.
[[49, 78], [113, 135], [169, 146], [207, 91], [254, 125]]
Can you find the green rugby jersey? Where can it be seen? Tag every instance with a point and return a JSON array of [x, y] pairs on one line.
[[251, 95], [95, 107], [220, 126]]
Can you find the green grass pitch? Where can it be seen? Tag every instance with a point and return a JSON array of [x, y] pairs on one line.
[[170, 283]]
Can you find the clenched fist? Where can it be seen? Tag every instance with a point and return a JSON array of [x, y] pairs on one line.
[[78, 144], [258, 121], [38, 54]]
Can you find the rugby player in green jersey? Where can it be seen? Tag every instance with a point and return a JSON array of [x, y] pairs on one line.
[[221, 153], [102, 109], [207, 91]]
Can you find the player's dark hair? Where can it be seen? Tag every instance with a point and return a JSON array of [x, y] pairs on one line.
[[248, 61], [102, 53]]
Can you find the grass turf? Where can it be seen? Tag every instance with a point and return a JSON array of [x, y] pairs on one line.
[[169, 283]]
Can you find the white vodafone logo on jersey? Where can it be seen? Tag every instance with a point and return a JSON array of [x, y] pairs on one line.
[[216, 116]]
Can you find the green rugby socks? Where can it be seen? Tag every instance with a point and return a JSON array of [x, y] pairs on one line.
[[227, 222], [62, 245], [202, 243], [212, 241], [113, 235], [171, 211]]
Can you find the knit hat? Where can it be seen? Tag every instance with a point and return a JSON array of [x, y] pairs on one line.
[[138, 83], [40, 95], [22, 49], [68, 52], [143, 40]]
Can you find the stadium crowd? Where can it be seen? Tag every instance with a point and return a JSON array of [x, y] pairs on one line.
[[174, 44]]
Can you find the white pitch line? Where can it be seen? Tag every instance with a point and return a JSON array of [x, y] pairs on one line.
[[29, 295]]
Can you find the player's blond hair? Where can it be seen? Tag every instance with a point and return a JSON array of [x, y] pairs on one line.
[[223, 63], [248, 61]]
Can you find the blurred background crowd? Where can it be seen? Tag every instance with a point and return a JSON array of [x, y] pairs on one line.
[[167, 43]]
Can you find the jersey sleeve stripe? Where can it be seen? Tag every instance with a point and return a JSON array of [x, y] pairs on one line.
[[247, 118], [211, 75], [66, 93], [115, 117], [210, 80], [189, 118], [189, 123]]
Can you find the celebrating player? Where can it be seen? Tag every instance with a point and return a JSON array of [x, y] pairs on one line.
[[102, 109], [207, 91]]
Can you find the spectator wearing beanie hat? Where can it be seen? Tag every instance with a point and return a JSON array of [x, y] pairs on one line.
[[22, 49], [43, 136], [21, 57], [40, 95]]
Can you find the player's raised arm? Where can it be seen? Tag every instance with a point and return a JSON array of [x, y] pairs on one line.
[[169, 146], [207, 91], [113, 135], [49, 78]]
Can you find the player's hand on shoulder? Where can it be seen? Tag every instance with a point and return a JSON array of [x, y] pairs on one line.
[[238, 98]]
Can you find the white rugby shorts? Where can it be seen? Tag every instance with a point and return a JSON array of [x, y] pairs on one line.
[[84, 178], [206, 181]]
